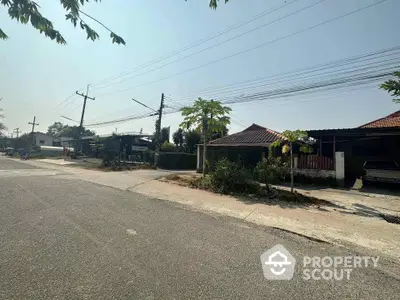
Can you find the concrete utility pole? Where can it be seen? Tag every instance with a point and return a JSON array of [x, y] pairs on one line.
[[33, 124], [16, 130], [85, 97], [158, 131]]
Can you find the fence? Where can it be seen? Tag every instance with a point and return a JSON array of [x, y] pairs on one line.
[[316, 162]]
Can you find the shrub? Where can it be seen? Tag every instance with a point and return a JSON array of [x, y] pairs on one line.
[[271, 170], [168, 147], [109, 158], [231, 177]]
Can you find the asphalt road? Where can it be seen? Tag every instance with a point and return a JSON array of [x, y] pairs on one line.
[[67, 239]]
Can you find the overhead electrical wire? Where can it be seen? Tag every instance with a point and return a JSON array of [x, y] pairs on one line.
[[198, 42], [217, 44], [251, 49], [328, 85], [337, 67], [326, 75], [301, 72]]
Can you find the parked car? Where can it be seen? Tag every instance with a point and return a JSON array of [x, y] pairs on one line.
[[381, 171]]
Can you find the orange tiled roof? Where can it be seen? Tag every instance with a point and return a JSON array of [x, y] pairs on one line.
[[255, 135], [392, 120]]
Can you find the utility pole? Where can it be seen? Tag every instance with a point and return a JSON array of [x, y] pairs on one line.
[[17, 131], [158, 131], [33, 124], [33, 129], [85, 97]]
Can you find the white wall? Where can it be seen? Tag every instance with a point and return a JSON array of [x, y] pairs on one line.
[[42, 139]]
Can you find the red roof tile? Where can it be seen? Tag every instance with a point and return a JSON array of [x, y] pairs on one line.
[[255, 135], [392, 120]]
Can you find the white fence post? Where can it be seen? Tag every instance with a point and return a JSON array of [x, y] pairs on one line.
[[339, 167]]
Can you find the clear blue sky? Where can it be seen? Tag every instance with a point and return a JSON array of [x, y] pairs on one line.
[[36, 74]]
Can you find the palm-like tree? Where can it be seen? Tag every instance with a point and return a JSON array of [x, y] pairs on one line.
[[206, 116]]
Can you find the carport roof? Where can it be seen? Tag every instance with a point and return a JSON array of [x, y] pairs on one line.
[[389, 125]]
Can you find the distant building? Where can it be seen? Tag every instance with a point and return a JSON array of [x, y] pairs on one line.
[[42, 139]]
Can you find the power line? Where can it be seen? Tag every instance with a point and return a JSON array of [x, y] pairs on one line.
[[327, 75], [300, 72], [353, 72], [250, 49], [340, 83], [217, 44], [201, 41]]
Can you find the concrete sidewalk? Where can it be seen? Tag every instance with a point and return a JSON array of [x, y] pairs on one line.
[[352, 222], [335, 225]]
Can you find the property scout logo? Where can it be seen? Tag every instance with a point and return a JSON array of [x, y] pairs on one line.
[[279, 264]]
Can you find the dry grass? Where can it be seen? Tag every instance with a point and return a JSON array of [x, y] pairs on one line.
[[266, 194], [183, 179]]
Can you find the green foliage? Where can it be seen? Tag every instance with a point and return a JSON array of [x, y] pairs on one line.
[[178, 138], [206, 115], [393, 86], [168, 147], [164, 135], [271, 170], [24, 141], [231, 177], [191, 139], [25, 11], [177, 161], [59, 129], [55, 128], [292, 137]]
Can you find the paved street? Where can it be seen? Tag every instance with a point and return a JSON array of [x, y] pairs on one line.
[[62, 238]]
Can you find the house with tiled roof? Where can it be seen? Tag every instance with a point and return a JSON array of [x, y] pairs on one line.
[[248, 146], [253, 136], [376, 140], [390, 121]]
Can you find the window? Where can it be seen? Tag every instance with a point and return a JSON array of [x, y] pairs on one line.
[[41, 141]]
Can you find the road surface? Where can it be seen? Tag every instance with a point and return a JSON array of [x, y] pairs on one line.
[[62, 238]]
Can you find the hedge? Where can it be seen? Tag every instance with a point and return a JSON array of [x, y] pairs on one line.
[[177, 161]]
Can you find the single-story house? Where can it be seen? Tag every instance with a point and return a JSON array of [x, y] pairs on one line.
[[42, 139], [375, 140], [250, 146]]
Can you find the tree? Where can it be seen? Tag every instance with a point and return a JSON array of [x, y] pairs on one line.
[[164, 135], [74, 131], [23, 141], [191, 139], [56, 128], [178, 138], [25, 11], [393, 86], [287, 146], [2, 126], [208, 116], [167, 147], [219, 134], [59, 129]]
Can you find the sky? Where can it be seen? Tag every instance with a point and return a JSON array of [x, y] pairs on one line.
[[39, 77]]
